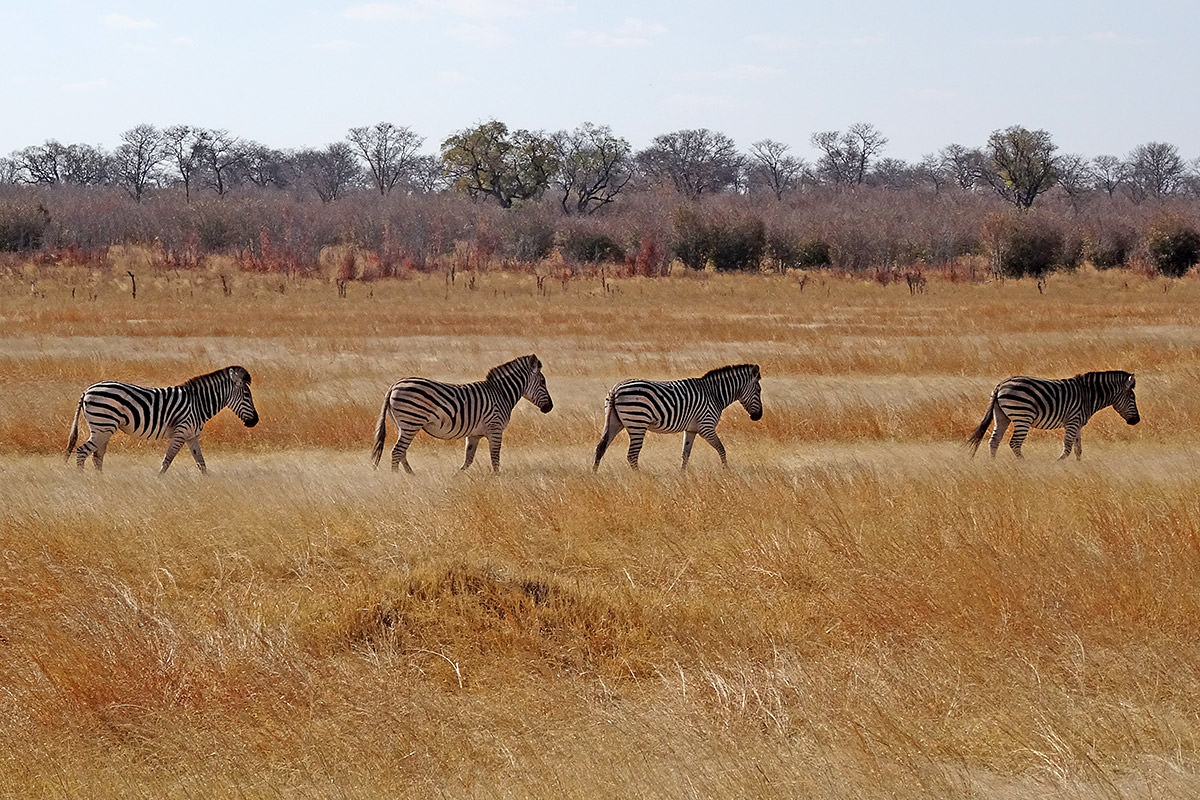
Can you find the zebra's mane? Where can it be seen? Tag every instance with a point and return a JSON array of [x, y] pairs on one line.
[[730, 369], [209, 375], [1103, 373], [526, 363]]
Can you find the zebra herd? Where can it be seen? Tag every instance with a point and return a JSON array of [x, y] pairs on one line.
[[479, 410]]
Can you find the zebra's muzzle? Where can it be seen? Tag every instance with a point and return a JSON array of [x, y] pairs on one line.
[[547, 407], [756, 415], [1134, 420], [250, 423]]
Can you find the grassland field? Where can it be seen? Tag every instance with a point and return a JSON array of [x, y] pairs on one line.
[[854, 609]]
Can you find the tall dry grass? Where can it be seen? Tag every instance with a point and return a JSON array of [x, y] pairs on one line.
[[854, 609]]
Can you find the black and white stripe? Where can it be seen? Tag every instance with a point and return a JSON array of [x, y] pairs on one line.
[[692, 406], [453, 410], [176, 413], [1047, 404]]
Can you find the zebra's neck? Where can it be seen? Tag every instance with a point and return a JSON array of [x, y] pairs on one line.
[[208, 396], [723, 387], [509, 384], [1100, 390]]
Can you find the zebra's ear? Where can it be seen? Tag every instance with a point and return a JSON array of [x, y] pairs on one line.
[[537, 362], [1130, 383]]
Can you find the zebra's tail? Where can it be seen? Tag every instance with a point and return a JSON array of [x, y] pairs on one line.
[[977, 436], [380, 432], [74, 430]]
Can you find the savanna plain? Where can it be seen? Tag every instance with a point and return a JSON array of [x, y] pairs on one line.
[[856, 608]]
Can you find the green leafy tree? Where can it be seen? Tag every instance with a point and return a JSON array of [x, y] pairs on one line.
[[594, 167], [491, 161], [1020, 164]]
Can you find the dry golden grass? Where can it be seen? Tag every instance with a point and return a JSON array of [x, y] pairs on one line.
[[854, 609]]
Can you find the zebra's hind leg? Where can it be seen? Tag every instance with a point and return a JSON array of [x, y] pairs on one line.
[[636, 435], [1020, 431], [472, 446], [400, 451], [688, 438], [95, 445], [1000, 422], [612, 426], [712, 438]]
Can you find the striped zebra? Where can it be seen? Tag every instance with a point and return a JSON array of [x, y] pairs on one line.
[[453, 411], [176, 413], [691, 406], [1048, 404]]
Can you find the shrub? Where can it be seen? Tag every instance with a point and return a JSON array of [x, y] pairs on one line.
[[532, 241], [690, 242], [1031, 247], [738, 245], [591, 247], [22, 227], [1173, 247], [1111, 246]]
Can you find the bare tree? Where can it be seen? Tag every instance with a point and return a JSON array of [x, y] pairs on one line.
[[224, 158], [696, 161], [137, 158], [389, 150], [1109, 173], [1020, 164], [594, 166], [264, 166], [965, 164], [1076, 178], [846, 156], [42, 164], [185, 147], [772, 166], [931, 169], [1155, 170], [330, 172]]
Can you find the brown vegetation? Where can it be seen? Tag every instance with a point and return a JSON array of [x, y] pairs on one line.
[[854, 609]]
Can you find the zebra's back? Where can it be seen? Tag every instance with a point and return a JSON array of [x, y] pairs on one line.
[[1042, 402], [143, 411], [659, 406], [444, 410]]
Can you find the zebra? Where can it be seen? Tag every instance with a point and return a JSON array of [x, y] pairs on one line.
[[454, 411], [691, 406], [176, 413], [1047, 404]]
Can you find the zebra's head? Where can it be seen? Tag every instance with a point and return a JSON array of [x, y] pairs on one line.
[[1126, 404], [240, 401], [750, 395], [535, 386]]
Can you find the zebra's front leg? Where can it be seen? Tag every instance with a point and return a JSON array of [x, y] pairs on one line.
[[172, 449], [494, 439], [472, 446], [194, 444], [1072, 440], [688, 438], [712, 438]]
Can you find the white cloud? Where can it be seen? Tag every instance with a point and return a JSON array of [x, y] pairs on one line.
[[481, 35], [124, 22], [741, 72], [95, 85], [698, 100], [382, 12], [336, 45], [633, 32], [466, 9]]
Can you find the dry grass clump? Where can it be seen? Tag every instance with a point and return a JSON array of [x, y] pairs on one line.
[[854, 609]]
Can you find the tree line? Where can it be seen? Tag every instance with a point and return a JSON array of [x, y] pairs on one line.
[[588, 168], [516, 195]]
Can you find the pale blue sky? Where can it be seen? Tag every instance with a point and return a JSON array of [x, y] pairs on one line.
[[1102, 77]]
